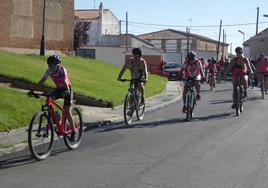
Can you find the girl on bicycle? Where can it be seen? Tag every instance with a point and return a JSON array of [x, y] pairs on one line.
[[240, 67], [192, 68], [211, 70], [138, 68], [262, 70], [60, 77]]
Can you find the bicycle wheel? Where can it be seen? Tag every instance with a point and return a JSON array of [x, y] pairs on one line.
[[189, 106], [262, 89], [211, 84], [128, 108], [140, 107], [40, 136], [69, 142], [237, 101], [241, 101]]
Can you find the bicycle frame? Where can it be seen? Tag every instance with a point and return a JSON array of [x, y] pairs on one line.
[[133, 89], [51, 105]]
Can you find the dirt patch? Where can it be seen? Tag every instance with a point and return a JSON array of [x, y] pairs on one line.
[[81, 100]]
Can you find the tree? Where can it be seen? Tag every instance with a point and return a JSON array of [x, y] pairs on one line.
[[81, 36]]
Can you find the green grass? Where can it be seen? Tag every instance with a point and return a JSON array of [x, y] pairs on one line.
[[90, 78], [16, 109]]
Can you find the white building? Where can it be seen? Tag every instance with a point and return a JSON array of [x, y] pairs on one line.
[[256, 45], [96, 23]]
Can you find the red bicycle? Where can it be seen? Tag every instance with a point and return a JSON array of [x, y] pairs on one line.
[[46, 122]]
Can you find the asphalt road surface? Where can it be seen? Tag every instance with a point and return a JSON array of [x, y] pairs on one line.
[[215, 150]]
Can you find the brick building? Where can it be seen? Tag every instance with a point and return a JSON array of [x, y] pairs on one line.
[[174, 44], [21, 25]]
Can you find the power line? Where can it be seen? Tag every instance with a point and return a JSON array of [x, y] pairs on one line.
[[184, 26]]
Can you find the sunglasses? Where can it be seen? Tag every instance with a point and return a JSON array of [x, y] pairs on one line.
[[52, 66]]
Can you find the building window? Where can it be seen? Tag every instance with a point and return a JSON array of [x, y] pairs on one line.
[[184, 44], [157, 43], [171, 45]]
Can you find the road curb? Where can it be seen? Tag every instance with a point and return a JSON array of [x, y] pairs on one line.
[[154, 103]]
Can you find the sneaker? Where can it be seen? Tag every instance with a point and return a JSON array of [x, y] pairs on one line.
[[233, 106], [184, 109], [198, 97]]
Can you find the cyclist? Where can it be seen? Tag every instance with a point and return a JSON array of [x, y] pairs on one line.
[[138, 68], [192, 68], [262, 70], [212, 70], [225, 69], [60, 77], [203, 63], [240, 66]]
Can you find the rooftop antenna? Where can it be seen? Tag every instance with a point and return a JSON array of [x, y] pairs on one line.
[[94, 3]]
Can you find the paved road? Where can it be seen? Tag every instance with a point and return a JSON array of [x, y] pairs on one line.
[[215, 150]]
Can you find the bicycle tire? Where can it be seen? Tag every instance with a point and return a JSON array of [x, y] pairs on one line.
[[38, 129], [128, 108], [241, 101], [140, 108], [262, 89], [211, 84], [237, 101], [72, 144], [189, 108]]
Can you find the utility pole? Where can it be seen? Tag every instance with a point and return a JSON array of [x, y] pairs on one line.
[[126, 31], [223, 42], [42, 44], [257, 22], [188, 39], [218, 46], [120, 27]]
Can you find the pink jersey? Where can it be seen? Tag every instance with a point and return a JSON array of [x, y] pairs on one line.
[[193, 69], [211, 68], [60, 79], [262, 66]]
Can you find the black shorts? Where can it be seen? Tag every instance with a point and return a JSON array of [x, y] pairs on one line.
[[66, 94]]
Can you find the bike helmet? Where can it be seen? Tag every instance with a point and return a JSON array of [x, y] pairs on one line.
[[137, 51], [54, 60], [262, 55], [238, 50], [191, 55]]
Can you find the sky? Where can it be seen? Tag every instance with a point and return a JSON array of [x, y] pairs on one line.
[[202, 16]]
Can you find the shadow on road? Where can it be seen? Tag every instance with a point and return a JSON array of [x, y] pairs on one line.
[[222, 90], [121, 125], [11, 160], [22, 158], [215, 116], [220, 101]]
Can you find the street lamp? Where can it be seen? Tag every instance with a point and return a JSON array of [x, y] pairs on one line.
[[42, 43], [242, 34]]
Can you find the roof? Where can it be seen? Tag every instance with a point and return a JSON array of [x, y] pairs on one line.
[[184, 33], [261, 35], [88, 13], [140, 39]]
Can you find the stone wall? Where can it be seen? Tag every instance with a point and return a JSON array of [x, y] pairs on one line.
[[21, 24]]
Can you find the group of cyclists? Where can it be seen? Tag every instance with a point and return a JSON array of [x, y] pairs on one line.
[[239, 66]]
